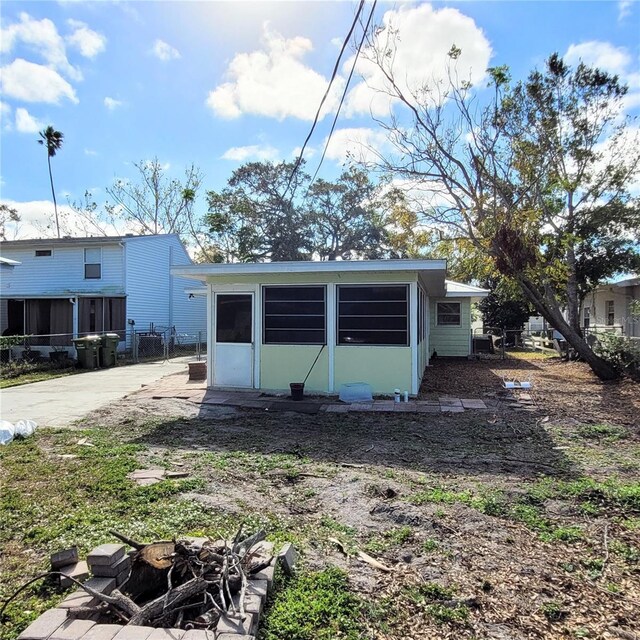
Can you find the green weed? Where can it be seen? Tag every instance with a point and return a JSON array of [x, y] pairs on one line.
[[317, 606]]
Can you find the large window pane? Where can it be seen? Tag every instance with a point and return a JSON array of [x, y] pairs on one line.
[[294, 315], [373, 315], [233, 318]]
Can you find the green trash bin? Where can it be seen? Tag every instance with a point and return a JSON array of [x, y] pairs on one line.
[[109, 349], [87, 350]]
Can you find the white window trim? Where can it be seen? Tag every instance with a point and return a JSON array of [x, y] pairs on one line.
[[37, 257], [85, 263], [438, 302], [607, 312]]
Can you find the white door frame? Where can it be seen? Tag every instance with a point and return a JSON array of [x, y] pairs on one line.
[[214, 290]]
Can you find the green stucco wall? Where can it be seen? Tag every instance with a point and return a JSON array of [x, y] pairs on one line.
[[447, 340], [282, 364], [384, 368]]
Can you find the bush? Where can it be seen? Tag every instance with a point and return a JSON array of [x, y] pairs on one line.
[[621, 352]]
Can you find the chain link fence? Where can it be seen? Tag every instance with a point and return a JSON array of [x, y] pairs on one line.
[[497, 342], [134, 346], [165, 343]]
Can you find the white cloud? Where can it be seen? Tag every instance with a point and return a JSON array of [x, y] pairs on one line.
[[88, 42], [624, 9], [5, 116], [356, 144], [309, 152], [112, 103], [90, 152], [273, 82], [603, 55], [32, 82], [615, 60], [164, 51], [253, 152], [418, 57], [26, 123], [42, 37]]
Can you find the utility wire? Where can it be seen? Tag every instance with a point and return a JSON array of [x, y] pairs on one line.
[[344, 93], [324, 97]]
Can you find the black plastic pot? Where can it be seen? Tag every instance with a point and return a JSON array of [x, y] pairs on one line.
[[297, 390]]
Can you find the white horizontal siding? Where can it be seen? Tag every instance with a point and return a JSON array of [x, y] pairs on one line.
[[189, 314], [62, 274], [153, 295]]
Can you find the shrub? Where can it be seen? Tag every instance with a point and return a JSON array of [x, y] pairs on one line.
[[622, 353]]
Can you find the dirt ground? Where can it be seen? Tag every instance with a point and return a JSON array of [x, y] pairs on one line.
[[529, 518]]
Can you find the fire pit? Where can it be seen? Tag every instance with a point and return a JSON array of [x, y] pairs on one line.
[[190, 589]]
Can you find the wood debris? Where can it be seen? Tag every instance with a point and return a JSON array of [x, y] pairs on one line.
[[183, 584]]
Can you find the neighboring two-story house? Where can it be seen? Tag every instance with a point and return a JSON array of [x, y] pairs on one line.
[[76, 286]]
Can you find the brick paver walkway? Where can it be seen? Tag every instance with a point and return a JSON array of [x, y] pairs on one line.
[[177, 386]]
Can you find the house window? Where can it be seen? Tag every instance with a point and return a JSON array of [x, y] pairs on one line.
[[587, 317], [92, 264], [448, 314], [44, 253], [294, 315], [373, 315], [609, 306]]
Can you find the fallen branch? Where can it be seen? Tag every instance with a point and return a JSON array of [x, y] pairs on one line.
[[373, 562]]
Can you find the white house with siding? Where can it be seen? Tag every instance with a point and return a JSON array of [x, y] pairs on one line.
[[92, 285], [607, 308], [373, 321]]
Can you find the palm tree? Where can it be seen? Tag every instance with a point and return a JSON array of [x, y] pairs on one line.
[[53, 141]]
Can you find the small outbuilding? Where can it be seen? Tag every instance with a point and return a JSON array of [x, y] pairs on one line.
[[374, 321]]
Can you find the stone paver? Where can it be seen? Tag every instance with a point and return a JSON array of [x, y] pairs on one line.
[[106, 554], [78, 598], [102, 632], [473, 404], [78, 571], [61, 401], [233, 624], [64, 558], [166, 634], [101, 585], [43, 626], [72, 630], [112, 570], [200, 634], [134, 632]]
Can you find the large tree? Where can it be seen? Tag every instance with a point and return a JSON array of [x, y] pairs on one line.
[[259, 216], [347, 217], [519, 176], [52, 141], [271, 212], [155, 202]]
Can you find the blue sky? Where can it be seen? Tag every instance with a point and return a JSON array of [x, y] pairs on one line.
[[220, 83]]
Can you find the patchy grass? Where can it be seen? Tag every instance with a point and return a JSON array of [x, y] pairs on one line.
[[36, 376], [610, 432], [447, 500]]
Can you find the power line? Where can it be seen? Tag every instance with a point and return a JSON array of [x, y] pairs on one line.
[[344, 93], [324, 97]]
